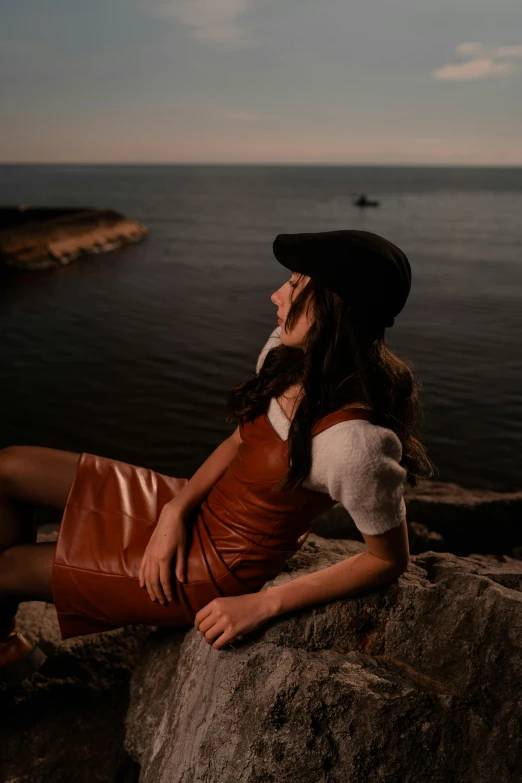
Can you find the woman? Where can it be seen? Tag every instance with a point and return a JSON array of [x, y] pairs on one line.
[[328, 417]]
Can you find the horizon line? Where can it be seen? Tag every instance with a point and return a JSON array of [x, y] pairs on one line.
[[257, 163]]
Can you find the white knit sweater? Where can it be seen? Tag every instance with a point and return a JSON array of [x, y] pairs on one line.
[[355, 462]]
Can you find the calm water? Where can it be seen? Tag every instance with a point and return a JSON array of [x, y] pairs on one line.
[[130, 354]]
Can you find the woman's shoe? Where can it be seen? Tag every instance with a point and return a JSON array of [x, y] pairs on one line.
[[18, 657]]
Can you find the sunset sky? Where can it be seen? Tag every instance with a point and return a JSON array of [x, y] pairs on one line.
[[260, 81]]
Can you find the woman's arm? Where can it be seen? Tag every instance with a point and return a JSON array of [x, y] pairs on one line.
[[360, 468], [169, 536], [387, 558], [227, 618], [198, 487]]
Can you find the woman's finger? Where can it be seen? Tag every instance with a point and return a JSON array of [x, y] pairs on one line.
[[215, 630], [156, 586], [148, 582], [165, 578], [225, 638], [180, 563], [219, 636], [207, 623], [141, 572], [203, 613]]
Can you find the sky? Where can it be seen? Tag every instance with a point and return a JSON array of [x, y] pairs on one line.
[[390, 82]]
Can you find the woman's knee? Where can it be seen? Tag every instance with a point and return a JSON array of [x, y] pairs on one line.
[[26, 572], [11, 466], [37, 474]]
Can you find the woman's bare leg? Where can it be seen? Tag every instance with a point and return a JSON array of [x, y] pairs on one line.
[[29, 476]]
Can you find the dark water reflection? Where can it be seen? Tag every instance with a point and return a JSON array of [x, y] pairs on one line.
[[130, 354]]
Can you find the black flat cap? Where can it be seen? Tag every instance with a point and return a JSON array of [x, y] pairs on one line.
[[365, 270]]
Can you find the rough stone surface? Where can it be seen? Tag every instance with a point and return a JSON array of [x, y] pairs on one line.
[[413, 681], [462, 520], [65, 723]]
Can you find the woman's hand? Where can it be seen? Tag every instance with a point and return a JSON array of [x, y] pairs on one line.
[[169, 538], [227, 616]]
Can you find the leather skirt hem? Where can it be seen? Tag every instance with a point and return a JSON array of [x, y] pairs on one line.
[[111, 512]]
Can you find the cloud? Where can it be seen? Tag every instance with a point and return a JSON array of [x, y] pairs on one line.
[[470, 47], [217, 21], [475, 69], [485, 64], [508, 51]]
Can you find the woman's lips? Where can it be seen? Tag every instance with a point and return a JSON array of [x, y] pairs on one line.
[[279, 320]]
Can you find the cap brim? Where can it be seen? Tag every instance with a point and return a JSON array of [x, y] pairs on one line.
[[288, 250]]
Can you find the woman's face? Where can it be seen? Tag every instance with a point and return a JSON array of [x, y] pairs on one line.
[[283, 298]]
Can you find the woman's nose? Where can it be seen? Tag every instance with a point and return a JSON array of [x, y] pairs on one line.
[[275, 298]]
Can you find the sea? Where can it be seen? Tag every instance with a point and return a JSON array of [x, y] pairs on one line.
[[129, 354]]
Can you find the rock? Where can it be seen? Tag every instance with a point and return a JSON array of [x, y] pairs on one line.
[[415, 675], [421, 539], [414, 680], [65, 723], [469, 520], [466, 520], [40, 238]]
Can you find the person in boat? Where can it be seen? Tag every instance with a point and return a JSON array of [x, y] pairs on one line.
[[363, 201], [328, 417]]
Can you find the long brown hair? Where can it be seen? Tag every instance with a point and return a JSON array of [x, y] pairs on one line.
[[345, 360]]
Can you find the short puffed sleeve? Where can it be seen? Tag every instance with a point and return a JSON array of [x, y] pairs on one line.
[[359, 464]]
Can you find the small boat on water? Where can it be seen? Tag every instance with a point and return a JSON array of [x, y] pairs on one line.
[[363, 201]]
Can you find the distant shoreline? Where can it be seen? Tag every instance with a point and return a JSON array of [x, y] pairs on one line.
[[45, 237]]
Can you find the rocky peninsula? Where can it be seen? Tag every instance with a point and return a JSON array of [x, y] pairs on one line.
[[45, 237], [416, 680]]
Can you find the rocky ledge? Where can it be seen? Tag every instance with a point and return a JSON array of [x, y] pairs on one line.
[[413, 681], [65, 724], [446, 517], [43, 238]]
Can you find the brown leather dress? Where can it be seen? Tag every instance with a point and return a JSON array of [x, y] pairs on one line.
[[238, 538]]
